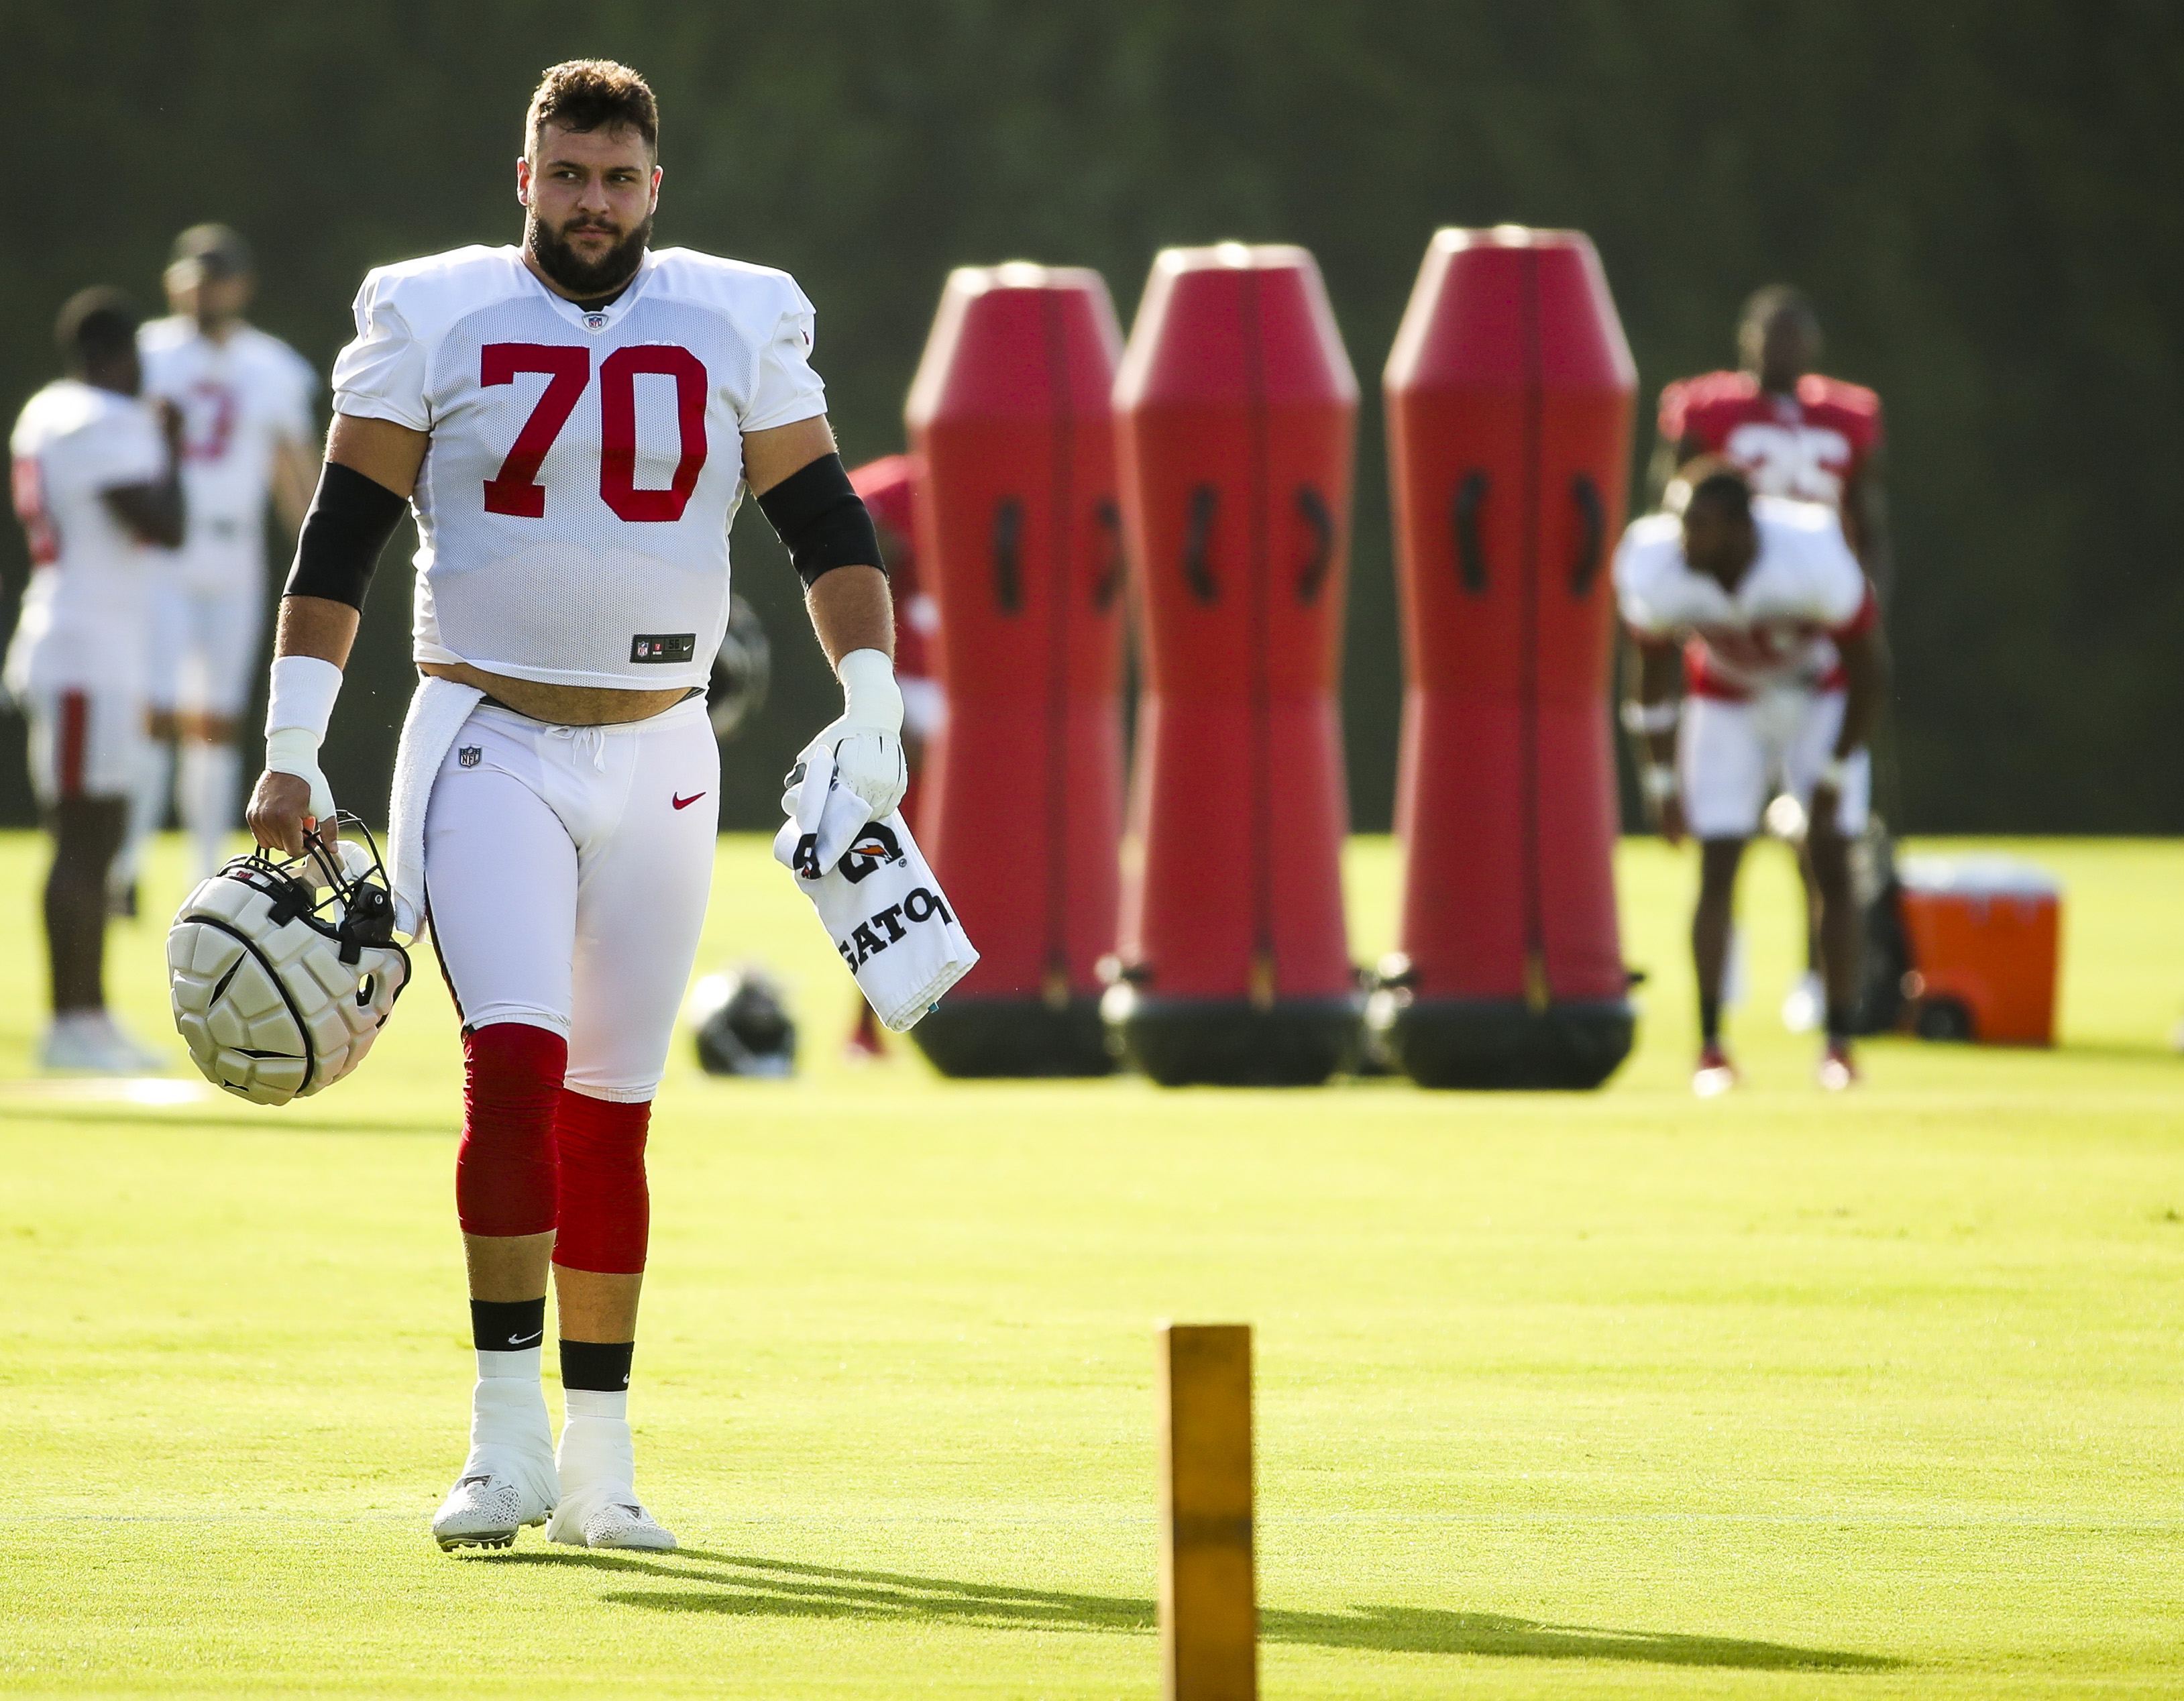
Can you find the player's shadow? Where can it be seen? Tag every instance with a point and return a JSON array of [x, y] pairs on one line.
[[739, 1583]]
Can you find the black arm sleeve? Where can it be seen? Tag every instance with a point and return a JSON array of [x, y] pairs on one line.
[[821, 519], [351, 519]]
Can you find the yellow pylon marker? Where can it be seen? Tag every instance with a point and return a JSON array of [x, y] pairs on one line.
[[1209, 1609]]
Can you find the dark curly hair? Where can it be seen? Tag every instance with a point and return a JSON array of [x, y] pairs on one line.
[[593, 94]]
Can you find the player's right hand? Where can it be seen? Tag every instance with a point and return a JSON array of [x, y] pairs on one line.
[[1671, 817], [280, 813]]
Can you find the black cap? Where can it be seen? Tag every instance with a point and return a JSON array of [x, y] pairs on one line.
[[216, 251]]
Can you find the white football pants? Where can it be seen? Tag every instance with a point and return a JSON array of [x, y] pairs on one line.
[[1732, 757], [567, 870], [203, 653]]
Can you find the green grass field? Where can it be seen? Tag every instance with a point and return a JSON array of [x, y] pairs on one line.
[[1623, 1394]]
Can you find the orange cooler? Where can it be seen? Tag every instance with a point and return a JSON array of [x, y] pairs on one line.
[[1985, 936]]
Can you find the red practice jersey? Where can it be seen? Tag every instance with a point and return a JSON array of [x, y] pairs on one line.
[[1807, 446], [884, 485]]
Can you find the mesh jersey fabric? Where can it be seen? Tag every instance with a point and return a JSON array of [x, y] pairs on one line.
[[1777, 628], [82, 615], [239, 399], [573, 512], [1807, 446]]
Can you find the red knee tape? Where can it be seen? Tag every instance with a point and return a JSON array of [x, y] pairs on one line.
[[504, 1168], [606, 1209]]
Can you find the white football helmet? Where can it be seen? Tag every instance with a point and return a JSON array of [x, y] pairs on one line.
[[282, 971]]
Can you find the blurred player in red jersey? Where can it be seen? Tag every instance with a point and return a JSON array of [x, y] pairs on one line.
[[1800, 435], [885, 486]]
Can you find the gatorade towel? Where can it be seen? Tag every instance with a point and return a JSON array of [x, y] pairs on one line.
[[876, 899]]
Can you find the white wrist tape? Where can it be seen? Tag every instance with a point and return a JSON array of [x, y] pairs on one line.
[[295, 750], [1658, 781], [300, 706], [869, 696], [1653, 717], [303, 696]]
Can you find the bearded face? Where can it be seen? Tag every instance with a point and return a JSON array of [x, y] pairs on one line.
[[589, 254], [590, 195]]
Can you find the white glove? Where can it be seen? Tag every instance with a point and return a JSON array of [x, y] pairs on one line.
[[861, 751]]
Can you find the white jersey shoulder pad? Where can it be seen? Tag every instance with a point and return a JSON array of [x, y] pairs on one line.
[[66, 408], [1789, 517], [755, 297], [1801, 549], [1649, 565], [164, 336], [433, 292]]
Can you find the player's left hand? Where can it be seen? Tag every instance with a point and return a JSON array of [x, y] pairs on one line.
[[863, 746], [867, 761]]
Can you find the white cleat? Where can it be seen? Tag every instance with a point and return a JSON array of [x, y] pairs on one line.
[[509, 1481], [490, 1502], [1805, 1004], [91, 1042], [599, 1508], [596, 1522]]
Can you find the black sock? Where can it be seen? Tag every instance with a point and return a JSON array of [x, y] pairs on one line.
[[598, 1364], [1841, 1017], [1710, 1021], [507, 1325]]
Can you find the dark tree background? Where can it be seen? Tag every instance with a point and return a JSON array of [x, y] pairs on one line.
[[1986, 199]]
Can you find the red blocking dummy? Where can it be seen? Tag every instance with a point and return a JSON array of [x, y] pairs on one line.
[[1020, 542], [1509, 395], [1235, 410]]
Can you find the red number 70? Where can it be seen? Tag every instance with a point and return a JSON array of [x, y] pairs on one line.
[[515, 489]]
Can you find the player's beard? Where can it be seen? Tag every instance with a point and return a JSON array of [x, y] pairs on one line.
[[584, 278]]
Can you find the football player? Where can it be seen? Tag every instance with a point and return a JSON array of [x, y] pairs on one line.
[[885, 486], [245, 402], [594, 409], [1782, 674], [96, 487], [1796, 434]]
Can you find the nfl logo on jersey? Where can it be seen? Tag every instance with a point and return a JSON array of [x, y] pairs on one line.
[[468, 756], [595, 321]]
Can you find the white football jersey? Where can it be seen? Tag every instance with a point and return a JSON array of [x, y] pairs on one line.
[[1777, 627], [82, 619], [573, 508], [240, 399]]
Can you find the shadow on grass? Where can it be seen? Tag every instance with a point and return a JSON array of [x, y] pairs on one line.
[[738, 1584]]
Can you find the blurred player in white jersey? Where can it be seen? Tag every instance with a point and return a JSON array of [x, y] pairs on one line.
[[595, 409], [1782, 670], [1799, 434], [93, 475], [245, 399]]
